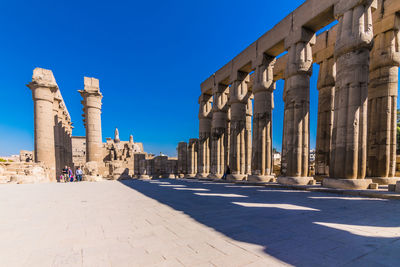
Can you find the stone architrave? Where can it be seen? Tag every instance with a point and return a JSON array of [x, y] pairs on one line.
[[219, 131], [240, 127], [349, 135], [326, 96], [382, 99], [92, 106], [297, 106], [193, 148], [182, 159], [263, 88], [205, 115], [43, 88]]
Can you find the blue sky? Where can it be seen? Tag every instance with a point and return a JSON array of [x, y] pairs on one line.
[[150, 57]]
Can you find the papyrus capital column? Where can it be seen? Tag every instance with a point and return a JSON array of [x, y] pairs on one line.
[[326, 96], [240, 143], [43, 88], [382, 97], [349, 135], [219, 130], [182, 150], [205, 116], [297, 103], [92, 119], [263, 88], [193, 148]]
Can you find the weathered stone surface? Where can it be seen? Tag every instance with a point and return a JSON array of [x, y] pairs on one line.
[[347, 183], [295, 180]]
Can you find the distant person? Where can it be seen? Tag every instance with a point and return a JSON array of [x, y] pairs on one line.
[[70, 174], [227, 172], [78, 174], [65, 174]]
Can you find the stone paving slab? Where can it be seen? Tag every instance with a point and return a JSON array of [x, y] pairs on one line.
[[144, 223]]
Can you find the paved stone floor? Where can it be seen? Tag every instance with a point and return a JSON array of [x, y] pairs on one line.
[[192, 223]]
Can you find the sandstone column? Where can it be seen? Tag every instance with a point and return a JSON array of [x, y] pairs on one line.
[[182, 159], [326, 88], [382, 99], [205, 115], [219, 131], [349, 135], [240, 143], [263, 87], [92, 106], [57, 138], [297, 106], [43, 87], [193, 148]]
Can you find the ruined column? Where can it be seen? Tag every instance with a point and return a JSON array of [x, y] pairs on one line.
[[92, 106], [297, 106], [326, 96], [182, 159], [219, 131], [382, 99], [193, 149], [263, 88], [43, 87], [240, 143], [205, 115], [349, 135], [57, 112]]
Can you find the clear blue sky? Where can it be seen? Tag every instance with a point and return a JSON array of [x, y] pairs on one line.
[[150, 57]]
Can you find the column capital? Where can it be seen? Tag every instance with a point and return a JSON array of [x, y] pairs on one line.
[[301, 35], [345, 5], [43, 80], [264, 75], [240, 88], [205, 101]]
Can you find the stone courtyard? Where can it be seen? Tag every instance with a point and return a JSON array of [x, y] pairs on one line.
[[171, 222]]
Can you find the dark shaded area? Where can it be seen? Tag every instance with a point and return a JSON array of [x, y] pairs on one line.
[[289, 235]]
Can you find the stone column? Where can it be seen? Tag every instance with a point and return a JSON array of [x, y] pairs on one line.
[[326, 96], [297, 106], [219, 131], [205, 115], [382, 100], [349, 135], [182, 159], [193, 149], [43, 87], [263, 88], [92, 106], [57, 139], [239, 98]]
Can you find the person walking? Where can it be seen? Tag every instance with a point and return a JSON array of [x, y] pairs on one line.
[[227, 172], [65, 174], [78, 174]]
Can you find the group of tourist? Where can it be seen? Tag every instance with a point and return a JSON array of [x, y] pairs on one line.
[[68, 175]]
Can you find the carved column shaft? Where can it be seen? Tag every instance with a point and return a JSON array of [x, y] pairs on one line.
[[204, 135], [182, 158], [352, 48], [192, 156], [326, 88], [382, 100]]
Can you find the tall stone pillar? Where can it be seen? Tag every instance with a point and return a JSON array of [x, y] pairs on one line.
[[240, 143], [205, 115], [326, 96], [57, 111], [182, 159], [193, 149], [219, 131], [43, 88], [263, 88], [297, 106], [382, 100], [349, 135], [92, 106]]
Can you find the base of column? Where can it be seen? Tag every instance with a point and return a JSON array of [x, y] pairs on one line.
[[215, 176], [385, 180], [190, 176], [201, 175], [320, 177], [181, 175], [346, 183], [261, 178], [296, 180], [169, 176], [144, 177], [236, 177], [93, 178]]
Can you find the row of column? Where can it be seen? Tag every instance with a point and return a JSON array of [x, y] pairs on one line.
[[348, 83], [52, 124]]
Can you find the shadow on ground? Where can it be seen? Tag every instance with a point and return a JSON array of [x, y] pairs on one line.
[[297, 227]]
